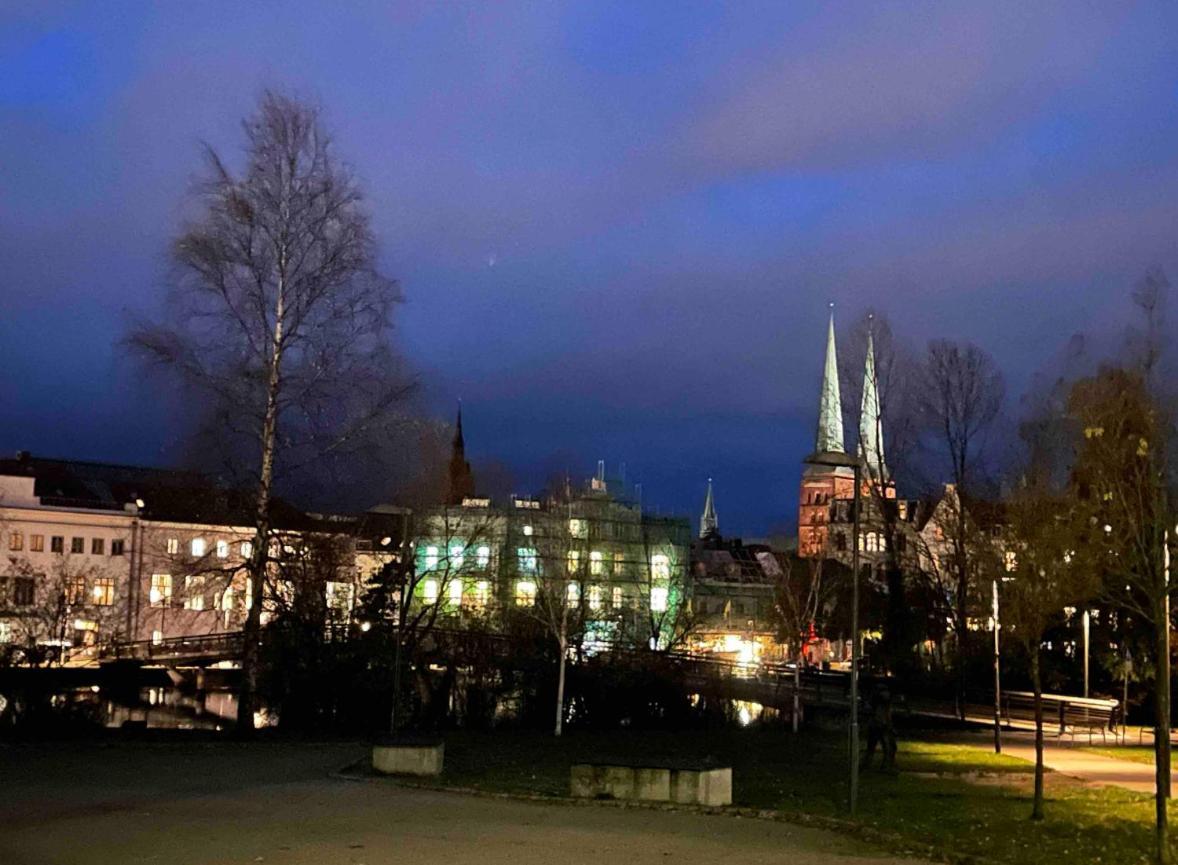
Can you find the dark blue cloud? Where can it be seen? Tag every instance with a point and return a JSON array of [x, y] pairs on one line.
[[617, 224]]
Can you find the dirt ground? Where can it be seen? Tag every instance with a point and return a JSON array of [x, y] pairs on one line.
[[275, 803]]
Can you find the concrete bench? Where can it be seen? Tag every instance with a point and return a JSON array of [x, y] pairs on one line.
[[402, 755], [685, 784]]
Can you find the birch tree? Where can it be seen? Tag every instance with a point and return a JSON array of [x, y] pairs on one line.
[[278, 316]]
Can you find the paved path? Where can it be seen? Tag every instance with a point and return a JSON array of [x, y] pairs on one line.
[[1069, 760], [281, 816]]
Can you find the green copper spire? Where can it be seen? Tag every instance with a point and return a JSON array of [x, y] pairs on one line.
[[708, 523], [830, 407], [870, 421]]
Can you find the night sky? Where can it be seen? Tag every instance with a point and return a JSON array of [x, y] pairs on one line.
[[617, 225]]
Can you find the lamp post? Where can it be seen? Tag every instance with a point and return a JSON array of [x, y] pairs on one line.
[[997, 678], [832, 459]]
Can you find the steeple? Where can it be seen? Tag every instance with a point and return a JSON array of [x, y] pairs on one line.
[[461, 478], [709, 525], [870, 422], [830, 408]]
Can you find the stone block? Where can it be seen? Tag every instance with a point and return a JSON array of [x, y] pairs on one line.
[[408, 757], [702, 786]]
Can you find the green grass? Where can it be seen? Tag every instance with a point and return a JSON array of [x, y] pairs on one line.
[[1136, 753], [958, 797]]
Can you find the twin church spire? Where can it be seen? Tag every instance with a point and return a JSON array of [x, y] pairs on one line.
[[830, 410]]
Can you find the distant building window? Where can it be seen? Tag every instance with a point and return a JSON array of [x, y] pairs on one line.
[[97, 547], [840, 541], [37, 543], [1010, 560], [617, 598], [455, 589], [104, 591], [595, 598], [573, 593], [595, 563], [574, 560], [157, 637], [660, 567], [525, 593], [429, 591], [431, 558], [75, 591], [161, 590], [457, 557], [619, 564], [173, 546], [198, 547], [24, 592], [578, 528], [16, 541], [658, 599], [340, 597], [527, 531], [117, 546], [5, 632], [482, 593], [483, 557], [526, 557], [247, 549], [57, 544], [194, 592], [77, 545], [222, 549]]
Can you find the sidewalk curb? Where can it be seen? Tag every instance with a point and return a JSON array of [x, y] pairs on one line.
[[890, 842]]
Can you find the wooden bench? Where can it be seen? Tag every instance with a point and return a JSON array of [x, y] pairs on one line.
[[684, 782], [1070, 713]]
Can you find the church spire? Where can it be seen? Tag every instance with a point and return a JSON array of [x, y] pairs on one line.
[[460, 476], [871, 444], [709, 525], [830, 408]]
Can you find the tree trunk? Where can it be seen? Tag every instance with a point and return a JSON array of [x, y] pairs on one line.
[[797, 713], [1161, 737], [252, 629], [1037, 685], [560, 684]]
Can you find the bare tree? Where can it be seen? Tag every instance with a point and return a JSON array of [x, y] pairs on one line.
[[279, 316], [962, 396], [802, 594]]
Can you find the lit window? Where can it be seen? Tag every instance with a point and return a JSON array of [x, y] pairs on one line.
[[223, 600], [37, 543], [619, 564], [483, 557], [527, 531], [525, 593], [157, 637], [104, 591], [431, 558], [173, 546], [75, 590], [455, 590], [247, 549], [573, 593], [429, 591], [1010, 560], [527, 559], [198, 546], [616, 598], [578, 528], [339, 597], [660, 567], [16, 541], [456, 557], [482, 592], [222, 549], [595, 597], [194, 593], [249, 592], [574, 560], [595, 563], [5, 632], [161, 590], [658, 599]]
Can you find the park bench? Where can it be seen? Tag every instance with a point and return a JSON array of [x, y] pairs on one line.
[[1070, 713], [685, 782]]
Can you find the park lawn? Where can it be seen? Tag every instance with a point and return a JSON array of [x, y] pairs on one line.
[[957, 797]]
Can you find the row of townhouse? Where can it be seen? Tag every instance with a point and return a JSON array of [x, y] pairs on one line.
[[92, 553]]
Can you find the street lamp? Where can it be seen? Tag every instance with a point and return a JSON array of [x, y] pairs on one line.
[[832, 459]]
